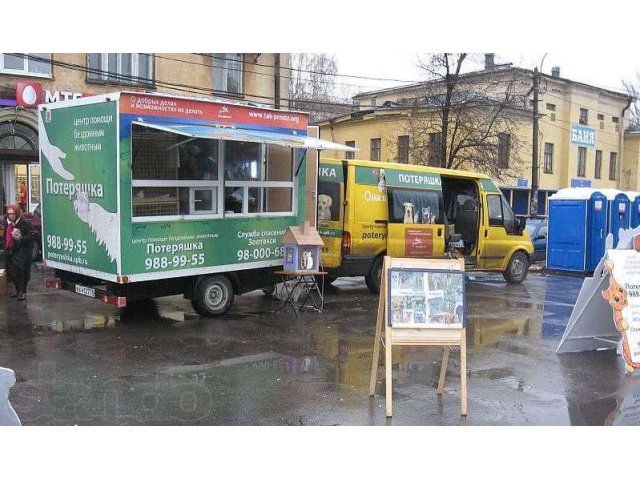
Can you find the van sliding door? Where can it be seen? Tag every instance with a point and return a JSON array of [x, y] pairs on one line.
[[416, 223]]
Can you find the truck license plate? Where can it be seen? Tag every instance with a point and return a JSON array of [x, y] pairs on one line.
[[86, 291]]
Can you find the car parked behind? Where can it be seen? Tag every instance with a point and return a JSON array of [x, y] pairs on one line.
[[537, 228]]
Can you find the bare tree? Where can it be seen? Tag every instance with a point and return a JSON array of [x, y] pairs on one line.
[[312, 85], [633, 89], [468, 120]]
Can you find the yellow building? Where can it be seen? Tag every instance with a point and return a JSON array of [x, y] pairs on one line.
[[580, 141], [631, 156], [32, 78]]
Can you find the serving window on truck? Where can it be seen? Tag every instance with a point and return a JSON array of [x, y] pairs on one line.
[[258, 178], [176, 176], [173, 175]]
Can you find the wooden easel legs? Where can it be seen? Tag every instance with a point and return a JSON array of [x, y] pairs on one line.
[[463, 373], [388, 367], [443, 370]]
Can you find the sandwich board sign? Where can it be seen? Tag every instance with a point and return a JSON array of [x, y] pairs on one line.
[[615, 285], [422, 302]]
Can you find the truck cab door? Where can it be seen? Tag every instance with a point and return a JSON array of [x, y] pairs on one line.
[[416, 227], [494, 241]]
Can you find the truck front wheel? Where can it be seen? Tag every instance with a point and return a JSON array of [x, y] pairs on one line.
[[517, 269], [213, 296]]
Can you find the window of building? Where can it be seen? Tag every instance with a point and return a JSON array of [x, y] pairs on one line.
[[600, 116], [598, 170], [29, 64], [375, 149], [613, 160], [121, 68], [176, 177], [504, 149], [582, 161], [434, 149], [350, 155], [584, 117], [227, 72], [403, 149], [614, 119], [548, 158], [551, 107]]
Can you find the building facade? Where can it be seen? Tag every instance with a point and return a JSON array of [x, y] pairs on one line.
[[580, 142], [28, 79]]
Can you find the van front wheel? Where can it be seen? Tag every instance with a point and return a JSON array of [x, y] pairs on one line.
[[213, 296], [375, 274], [517, 269]]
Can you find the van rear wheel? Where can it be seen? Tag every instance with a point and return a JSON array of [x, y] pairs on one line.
[[213, 296], [517, 269], [375, 274]]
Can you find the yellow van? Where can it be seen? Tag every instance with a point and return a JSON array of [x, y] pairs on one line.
[[370, 209]]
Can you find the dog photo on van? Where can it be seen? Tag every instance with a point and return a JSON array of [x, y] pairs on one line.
[[324, 207]]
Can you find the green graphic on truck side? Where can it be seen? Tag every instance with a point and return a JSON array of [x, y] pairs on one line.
[[79, 186], [388, 177]]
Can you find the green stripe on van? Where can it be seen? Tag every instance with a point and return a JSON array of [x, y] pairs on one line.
[[397, 178], [330, 173], [330, 232]]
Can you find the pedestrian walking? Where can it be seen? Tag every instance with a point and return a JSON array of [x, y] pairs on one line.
[[22, 194], [17, 246]]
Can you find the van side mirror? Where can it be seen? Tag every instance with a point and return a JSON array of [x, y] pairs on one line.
[[521, 223]]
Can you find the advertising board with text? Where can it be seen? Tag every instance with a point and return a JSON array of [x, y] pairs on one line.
[[78, 157]]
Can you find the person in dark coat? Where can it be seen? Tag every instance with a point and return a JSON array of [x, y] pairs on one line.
[[17, 245]]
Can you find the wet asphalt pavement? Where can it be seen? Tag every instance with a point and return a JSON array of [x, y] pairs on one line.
[[78, 361]]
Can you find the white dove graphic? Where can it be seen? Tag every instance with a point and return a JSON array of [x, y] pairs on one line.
[[54, 155]]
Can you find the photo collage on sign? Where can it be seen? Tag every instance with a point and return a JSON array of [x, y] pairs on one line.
[[424, 299]]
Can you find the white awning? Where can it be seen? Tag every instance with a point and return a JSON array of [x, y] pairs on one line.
[[244, 135]]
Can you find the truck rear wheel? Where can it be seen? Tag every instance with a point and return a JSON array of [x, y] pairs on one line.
[[517, 269], [373, 278], [213, 296]]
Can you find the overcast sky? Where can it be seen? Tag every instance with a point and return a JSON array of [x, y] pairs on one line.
[[604, 70]]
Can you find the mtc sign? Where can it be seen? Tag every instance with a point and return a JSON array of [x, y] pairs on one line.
[[583, 136], [31, 94]]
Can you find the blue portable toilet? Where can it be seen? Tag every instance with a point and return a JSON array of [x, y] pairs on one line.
[[634, 200], [577, 229], [618, 214]]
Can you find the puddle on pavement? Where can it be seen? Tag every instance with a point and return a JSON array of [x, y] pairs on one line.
[[89, 322], [542, 311], [99, 321]]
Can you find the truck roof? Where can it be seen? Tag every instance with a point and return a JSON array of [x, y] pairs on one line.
[[407, 167]]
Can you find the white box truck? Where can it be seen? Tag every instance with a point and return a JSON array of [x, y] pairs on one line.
[[147, 195]]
